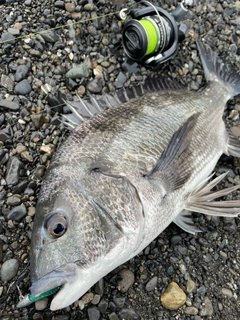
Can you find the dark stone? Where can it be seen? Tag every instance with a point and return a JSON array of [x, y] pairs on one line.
[[13, 168], [21, 72], [23, 87], [17, 213]]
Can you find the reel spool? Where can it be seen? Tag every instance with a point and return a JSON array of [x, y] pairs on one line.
[[151, 34]]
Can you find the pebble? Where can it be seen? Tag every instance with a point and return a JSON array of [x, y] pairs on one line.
[[173, 297], [17, 213], [102, 306], [93, 313], [13, 201], [127, 280], [13, 167], [96, 299], [41, 304], [191, 286], [176, 239], [191, 310], [119, 302], [227, 292], [151, 285], [206, 308], [128, 314], [7, 83], [113, 316], [21, 72], [23, 87], [78, 72], [11, 105], [86, 298], [9, 269]]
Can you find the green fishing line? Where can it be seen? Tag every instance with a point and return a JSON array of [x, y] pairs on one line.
[[32, 298]]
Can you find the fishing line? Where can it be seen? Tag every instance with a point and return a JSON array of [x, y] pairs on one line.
[[58, 27]]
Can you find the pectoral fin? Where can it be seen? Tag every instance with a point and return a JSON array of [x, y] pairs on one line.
[[171, 168], [201, 200]]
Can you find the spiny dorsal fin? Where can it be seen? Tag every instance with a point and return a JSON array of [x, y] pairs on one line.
[[83, 109]]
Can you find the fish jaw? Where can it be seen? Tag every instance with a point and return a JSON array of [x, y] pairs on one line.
[[76, 280]]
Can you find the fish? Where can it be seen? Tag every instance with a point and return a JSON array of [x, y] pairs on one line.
[[125, 173]]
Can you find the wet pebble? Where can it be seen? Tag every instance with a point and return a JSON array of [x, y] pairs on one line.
[[13, 167], [151, 284], [127, 280], [227, 292], [191, 310], [11, 105], [13, 201], [9, 269], [17, 213], [21, 72], [41, 304], [23, 87], [128, 314], [173, 297], [93, 313], [206, 308]]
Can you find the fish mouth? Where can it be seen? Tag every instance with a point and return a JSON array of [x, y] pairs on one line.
[[66, 273]]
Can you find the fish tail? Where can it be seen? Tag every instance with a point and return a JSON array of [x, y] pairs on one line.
[[216, 70]]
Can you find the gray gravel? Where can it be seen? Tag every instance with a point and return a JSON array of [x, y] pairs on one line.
[[37, 73]]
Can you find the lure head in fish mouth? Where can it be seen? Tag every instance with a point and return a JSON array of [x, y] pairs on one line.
[[74, 245]]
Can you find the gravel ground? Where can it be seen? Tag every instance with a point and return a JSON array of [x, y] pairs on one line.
[[35, 77]]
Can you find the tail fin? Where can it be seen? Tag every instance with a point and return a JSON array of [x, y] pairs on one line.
[[214, 67]]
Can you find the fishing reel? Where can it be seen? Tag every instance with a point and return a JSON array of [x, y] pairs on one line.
[[151, 35]]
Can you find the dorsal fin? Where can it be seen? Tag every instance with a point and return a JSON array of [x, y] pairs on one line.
[[83, 109]]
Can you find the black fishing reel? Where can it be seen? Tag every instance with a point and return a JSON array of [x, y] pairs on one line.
[[151, 35]]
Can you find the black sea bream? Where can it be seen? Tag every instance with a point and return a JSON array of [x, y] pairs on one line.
[[125, 174]]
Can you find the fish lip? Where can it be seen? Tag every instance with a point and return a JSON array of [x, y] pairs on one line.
[[55, 278]]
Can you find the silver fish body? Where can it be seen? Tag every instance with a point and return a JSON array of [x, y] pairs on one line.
[[123, 176]]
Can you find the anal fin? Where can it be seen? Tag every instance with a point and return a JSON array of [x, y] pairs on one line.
[[185, 221], [201, 198]]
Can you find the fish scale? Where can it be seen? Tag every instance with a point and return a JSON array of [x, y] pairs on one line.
[[124, 174]]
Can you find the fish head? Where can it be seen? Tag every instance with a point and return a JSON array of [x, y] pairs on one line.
[[74, 243]]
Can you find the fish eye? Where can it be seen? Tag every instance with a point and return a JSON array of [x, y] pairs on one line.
[[56, 225]]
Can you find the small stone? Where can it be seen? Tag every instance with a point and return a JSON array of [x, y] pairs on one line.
[[17, 213], [37, 119], [151, 284], [96, 85], [31, 211], [87, 298], [176, 239], [227, 292], [8, 38], [21, 72], [96, 299], [174, 297], [128, 314], [127, 280], [27, 156], [9, 105], [113, 316], [93, 313], [191, 310], [20, 148], [102, 306], [70, 7], [7, 83], [49, 36], [9, 269], [207, 308], [99, 287], [191, 286], [13, 201], [78, 72], [23, 87], [119, 302], [41, 304]]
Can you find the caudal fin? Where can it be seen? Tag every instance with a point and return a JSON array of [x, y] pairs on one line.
[[216, 69]]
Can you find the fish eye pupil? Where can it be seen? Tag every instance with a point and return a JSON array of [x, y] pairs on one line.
[[58, 229]]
